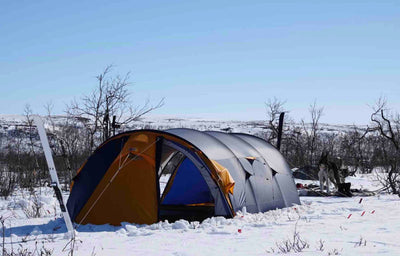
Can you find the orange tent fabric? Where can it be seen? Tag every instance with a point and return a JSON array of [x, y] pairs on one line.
[[225, 177]]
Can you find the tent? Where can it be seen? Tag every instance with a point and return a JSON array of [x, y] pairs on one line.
[[144, 176]]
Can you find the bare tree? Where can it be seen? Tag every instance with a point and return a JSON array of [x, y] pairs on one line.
[[274, 107], [294, 147], [68, 143], [386, 123], [312, 132], [34, 173], [357, 148], [107, 106], [388, 126]]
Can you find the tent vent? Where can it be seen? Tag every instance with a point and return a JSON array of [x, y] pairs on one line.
[[251, 159]]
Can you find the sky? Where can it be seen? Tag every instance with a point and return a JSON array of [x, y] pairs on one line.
[[208, 59]]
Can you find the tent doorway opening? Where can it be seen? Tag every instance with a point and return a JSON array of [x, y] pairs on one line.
[[184, 193]]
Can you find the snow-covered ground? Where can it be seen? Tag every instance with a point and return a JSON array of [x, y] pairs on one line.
[[328, 225]]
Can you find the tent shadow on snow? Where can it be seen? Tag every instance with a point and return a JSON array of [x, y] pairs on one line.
[[56, 226], [210, 174]]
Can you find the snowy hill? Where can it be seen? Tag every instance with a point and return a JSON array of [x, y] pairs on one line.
[[9, 123]]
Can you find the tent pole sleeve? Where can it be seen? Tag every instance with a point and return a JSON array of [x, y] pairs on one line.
[[159, 145]]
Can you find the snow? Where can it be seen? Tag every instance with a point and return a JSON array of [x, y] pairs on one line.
[[345, 226]]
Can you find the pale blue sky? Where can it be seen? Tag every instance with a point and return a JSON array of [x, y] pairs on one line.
[[209, 59]]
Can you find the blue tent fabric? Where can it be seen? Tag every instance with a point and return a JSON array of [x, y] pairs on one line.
[[189, 186], [92, 173]]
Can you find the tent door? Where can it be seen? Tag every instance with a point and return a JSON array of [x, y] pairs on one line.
[[184, 193]]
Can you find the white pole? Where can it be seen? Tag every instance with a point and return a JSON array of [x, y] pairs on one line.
[[53, 173]]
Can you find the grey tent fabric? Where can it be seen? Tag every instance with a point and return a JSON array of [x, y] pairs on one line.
[[277, 163], [263, 179]]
